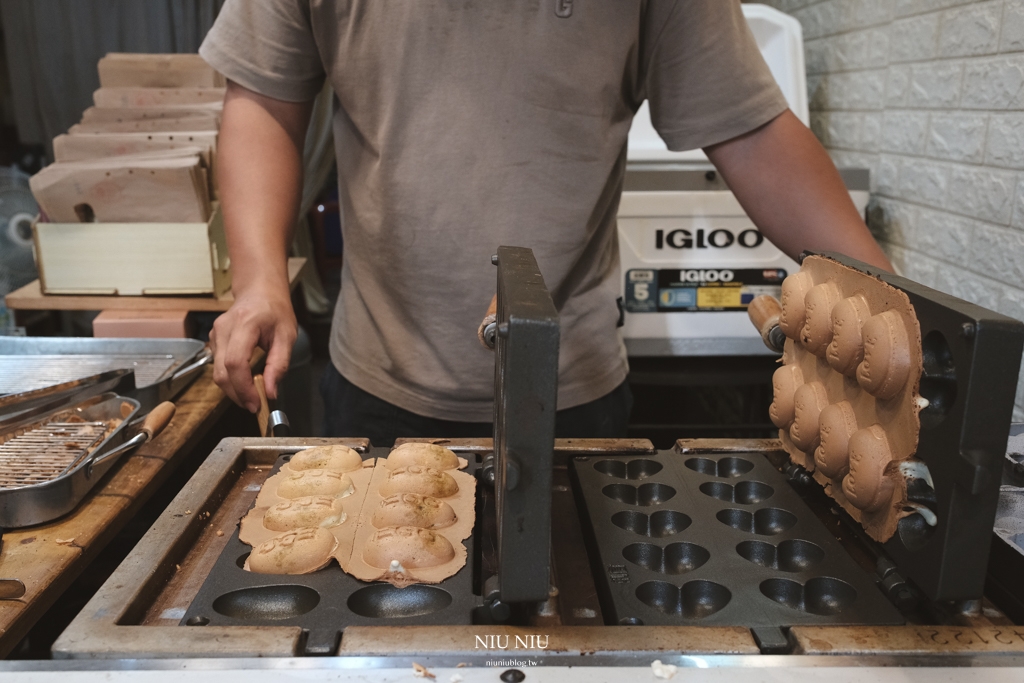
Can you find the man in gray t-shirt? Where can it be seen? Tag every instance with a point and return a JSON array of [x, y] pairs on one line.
[[464, 126]]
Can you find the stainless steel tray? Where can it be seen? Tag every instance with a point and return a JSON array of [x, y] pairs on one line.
[[69, 482], [34, 362]]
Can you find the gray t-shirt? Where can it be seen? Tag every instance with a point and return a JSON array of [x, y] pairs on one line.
[[462, 126]]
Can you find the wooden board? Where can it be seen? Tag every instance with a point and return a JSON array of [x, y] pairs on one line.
[[48, 557], [118, 98], [909, 640], [164, 186], [78, 147], [191, 123], [119, 69], [31, 298], [121, 114]]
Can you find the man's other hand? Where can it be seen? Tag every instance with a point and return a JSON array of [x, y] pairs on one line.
[[259, 167], [258, 319]]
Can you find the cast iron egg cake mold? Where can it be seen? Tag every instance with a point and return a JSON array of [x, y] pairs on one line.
[[298, 581], [719, 540]]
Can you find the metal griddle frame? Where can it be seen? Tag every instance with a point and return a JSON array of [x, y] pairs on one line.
[[113, 625], [122, 622]]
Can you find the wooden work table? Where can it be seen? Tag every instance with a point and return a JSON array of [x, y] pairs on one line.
[[31, 298], [48, 557]]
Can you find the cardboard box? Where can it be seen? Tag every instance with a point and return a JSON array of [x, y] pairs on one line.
[[133, 259]]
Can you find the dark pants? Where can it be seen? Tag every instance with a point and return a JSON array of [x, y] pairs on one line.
[[350, 411]]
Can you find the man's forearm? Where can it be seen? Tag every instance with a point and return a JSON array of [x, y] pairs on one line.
[[260, 179], [788, 185]]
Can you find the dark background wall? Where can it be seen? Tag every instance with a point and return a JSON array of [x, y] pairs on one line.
[[52, 46]]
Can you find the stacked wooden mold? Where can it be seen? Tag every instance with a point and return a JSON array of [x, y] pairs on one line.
[[138, 169]]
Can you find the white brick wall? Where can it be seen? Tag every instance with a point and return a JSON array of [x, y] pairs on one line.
[[929, 94]]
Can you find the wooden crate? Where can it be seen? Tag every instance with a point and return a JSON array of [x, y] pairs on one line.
[[133, 259]]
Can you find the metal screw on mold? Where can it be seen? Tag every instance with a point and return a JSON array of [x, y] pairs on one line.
[[491, 334], [197, 621], [487, 470], [777, 338], [797, 475], [710, 176], [894, 585], [967, 330], [494, 259], [513, 676], [498, 610]]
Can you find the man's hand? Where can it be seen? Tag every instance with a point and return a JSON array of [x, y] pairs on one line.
[[259, 166], [262, 319], [786, 182]]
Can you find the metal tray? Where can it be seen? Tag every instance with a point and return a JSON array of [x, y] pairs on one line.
[[715, 540], [325, 602], [34, 362], [50, 499]]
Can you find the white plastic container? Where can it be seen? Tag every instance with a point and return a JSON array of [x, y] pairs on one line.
[[691, 262], [691, 258]]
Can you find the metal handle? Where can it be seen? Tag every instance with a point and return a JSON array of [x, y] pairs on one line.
[[488, 326], [204, 357], [278, 424], [55, 394], [11, 589], [272, 422], [157, 419], [263, 414], [154, 423], [128, 445], [764, 312]]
